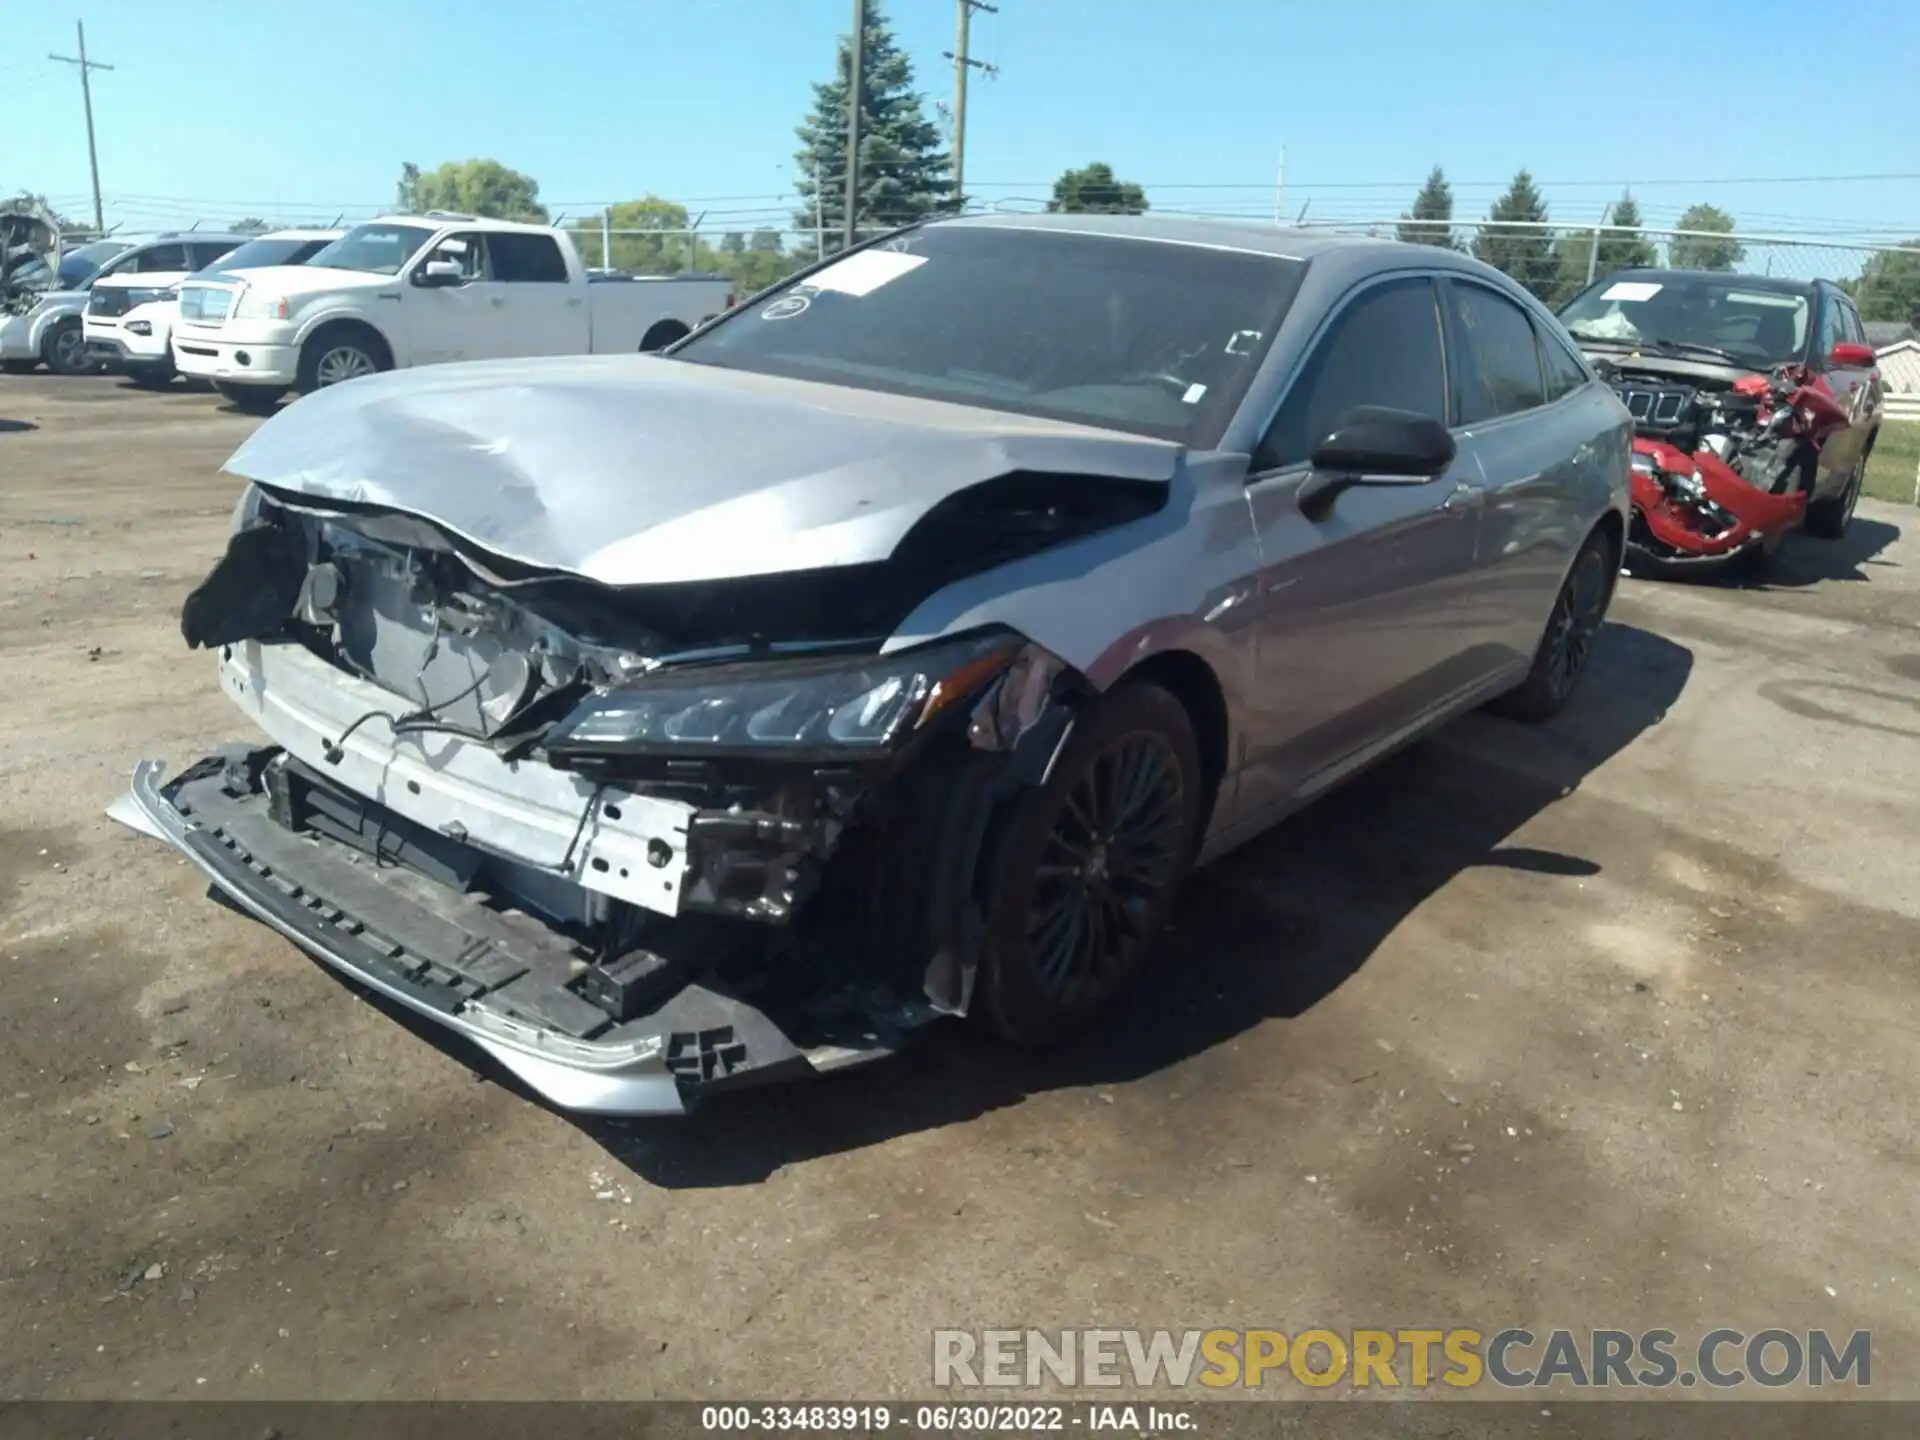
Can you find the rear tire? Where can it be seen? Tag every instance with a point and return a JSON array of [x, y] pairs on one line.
[[1087, 867], [250, 399], [1578, 613], [661, 334]]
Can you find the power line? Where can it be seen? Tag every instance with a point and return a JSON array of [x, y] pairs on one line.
[[86, 97]]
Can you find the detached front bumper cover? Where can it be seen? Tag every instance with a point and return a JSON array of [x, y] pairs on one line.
[[497, 980]]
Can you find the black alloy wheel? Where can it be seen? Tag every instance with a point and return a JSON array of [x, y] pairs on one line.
[[1089, 866]]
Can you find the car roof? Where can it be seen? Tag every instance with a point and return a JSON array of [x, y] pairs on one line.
[[299, 234], [1780, 283], [436, 219], [1356, 254]]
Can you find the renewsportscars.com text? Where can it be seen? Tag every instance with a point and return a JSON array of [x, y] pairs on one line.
[[1511, 1358]]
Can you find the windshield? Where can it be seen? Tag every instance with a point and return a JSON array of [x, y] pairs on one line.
[[376, 249], [258, 254], [1745, 323], [77, 266], [1155, 338]]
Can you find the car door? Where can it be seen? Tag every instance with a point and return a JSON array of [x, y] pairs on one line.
[[1855, 386], [467, 321], [547, 310], [1359, 626], [1532, 434]]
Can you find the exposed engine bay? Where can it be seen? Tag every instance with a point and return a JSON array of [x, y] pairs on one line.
[[27, 240], [1721, 466], [708, 824]]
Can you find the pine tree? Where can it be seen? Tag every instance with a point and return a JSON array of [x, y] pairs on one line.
[[1525, 252], [1428, 223], [1620, 249], [905, 172], [1698, 252], [1622, 246]]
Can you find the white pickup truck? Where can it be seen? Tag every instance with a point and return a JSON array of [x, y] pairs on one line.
[[422, 290]]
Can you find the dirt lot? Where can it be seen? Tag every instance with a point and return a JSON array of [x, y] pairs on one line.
[[1655, 964]]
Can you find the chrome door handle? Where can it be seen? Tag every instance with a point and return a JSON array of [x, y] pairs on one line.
[[1464, 498]]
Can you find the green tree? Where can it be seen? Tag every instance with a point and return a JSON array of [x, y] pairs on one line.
[[1622, 247], [905, 173], [1515, 238], [1889, 285], [1699, 252], [472, 187], [252, 225], [1095, 189], [656, 242], [1429, 222]]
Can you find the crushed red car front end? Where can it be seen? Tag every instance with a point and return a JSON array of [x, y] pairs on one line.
[[1721, 471]]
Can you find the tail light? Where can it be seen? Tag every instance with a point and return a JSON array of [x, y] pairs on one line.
[[731, 300]]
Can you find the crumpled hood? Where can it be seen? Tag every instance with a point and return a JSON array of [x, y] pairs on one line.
[[634, 469]]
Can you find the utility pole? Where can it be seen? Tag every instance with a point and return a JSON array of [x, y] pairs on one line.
[[86, 96], [963, 61], [856, 89]]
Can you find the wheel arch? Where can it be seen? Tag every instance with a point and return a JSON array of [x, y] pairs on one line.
[[349, 322], [1193, 682]]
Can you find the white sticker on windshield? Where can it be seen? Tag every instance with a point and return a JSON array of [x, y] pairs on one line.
[[1631, 290], [864, 273], [1194, 392]]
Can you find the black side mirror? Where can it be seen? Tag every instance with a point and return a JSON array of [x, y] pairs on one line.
[[1375, 445]]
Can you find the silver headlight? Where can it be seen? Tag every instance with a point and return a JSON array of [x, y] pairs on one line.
[[839, 708]]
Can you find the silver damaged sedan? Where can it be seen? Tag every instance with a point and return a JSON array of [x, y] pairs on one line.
[[887, 649]]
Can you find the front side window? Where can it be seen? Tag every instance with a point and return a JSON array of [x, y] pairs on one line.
[[1496, 369], [528, 259], [1129, 333], [1714, 317], [1383, 349], [468, 250], [374, 249], [1831, 330]]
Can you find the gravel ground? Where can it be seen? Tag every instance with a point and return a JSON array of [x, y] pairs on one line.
[[1608, 1023]]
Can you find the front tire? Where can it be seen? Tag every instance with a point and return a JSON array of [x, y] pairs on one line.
[[250, 399], [662, 334], [1829, 519], [1087, 867], [1578, 613], [65, 350], [338, 354]]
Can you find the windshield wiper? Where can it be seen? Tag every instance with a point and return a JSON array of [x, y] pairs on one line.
[[1684, 346]]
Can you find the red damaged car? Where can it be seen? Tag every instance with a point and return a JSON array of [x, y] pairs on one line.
[[1756, 402]]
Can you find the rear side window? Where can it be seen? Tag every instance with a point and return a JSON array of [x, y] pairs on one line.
[[1850, 321], [199, 256], [1383, 349], [1496, 367], [528, 258], [1564, 373], [160, 257]]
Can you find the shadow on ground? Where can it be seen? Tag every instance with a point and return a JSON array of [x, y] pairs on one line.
[[11, 426], [1804, 561], [1264, 933]]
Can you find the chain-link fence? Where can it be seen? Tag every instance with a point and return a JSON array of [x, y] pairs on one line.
[[1557, 261]]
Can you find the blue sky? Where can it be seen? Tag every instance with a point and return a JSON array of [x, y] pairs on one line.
[[223, 108]]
